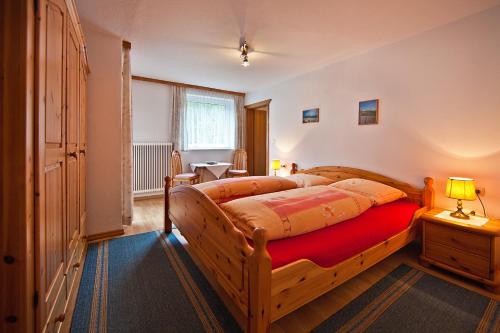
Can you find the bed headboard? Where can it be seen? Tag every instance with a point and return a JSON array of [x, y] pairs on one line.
[[423, 196]]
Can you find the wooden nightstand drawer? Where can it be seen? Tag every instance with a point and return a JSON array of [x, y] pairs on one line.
[[470, 263], [466, 241]]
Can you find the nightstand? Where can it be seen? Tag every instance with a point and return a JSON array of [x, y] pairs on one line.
[[468, 248]]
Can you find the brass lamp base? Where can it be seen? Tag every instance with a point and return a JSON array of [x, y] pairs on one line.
[[459, 214]]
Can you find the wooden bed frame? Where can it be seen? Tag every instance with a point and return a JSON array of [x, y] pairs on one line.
[[256, 294]]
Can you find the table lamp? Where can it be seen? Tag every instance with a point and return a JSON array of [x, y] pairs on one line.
[[276, 165], [460, 189]]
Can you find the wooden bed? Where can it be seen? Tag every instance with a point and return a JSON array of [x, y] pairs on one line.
[[256, 294]]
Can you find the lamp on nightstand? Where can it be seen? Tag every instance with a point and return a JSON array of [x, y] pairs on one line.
[[460, 189], [276, 165]]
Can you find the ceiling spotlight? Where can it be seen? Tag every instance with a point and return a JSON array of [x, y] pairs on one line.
[[244, 54], [245, 62]]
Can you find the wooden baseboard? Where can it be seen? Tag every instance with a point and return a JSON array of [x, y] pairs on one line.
[[105, 235], [149, 196]]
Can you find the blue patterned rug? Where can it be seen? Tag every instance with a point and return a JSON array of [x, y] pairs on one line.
[[409, 300], [149, 283], [146, 283]]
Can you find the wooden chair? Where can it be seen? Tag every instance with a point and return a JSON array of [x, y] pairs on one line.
[[239, 164], [178, 176]]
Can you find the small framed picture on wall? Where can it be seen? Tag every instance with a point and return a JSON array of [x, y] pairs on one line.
[[310, 116], [368, 112]]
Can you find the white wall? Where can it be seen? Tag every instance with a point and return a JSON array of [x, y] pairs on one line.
[[439, 110], [104, 131], [151, 112]]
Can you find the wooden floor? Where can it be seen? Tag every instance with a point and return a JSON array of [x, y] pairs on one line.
[[148, 216]]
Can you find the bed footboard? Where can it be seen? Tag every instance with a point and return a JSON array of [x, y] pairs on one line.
[[242, 273]]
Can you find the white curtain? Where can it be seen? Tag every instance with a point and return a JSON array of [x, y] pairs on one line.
[[239, 104], [127, 195], [210, 121], [178, 109]]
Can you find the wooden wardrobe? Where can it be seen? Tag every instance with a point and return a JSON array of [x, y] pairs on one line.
[[43, 80], [60, 153]]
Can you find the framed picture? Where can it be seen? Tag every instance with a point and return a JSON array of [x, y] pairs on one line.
[[368, 112], [310, 116]]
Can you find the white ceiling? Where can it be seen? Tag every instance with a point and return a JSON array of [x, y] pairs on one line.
[[196, 41]]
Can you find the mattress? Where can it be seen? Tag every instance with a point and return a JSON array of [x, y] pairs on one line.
[[331, 245]]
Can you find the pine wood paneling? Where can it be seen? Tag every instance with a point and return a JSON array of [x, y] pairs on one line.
[[54, 72], [72, 89], [73, 214], [17, 38], [82, 193], [72, 127], [82, 144], [54, 226], [51, 180]]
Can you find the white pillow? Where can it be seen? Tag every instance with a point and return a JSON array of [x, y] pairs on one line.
[[379, 193], [307, 180]]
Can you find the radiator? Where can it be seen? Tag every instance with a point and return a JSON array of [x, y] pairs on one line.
[[151, 165]]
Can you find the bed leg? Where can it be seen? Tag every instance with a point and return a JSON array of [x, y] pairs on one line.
[[259, 270], [166, 218], [428, 194]]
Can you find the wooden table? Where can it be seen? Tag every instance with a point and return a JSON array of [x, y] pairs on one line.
[[217, 170], [470, 249]]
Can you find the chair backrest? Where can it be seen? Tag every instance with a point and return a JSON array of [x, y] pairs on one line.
[[176, 163], [240, 159]]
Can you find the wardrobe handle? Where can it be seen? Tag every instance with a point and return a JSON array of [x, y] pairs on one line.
[[82, 151], [60, 318], [73, 154]]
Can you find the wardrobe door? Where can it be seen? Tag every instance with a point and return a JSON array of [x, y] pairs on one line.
[[72, 151], [83, 149], [50, 225]]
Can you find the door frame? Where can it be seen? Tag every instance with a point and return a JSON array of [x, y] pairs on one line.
[[260, 105]]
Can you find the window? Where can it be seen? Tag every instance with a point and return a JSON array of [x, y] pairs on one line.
[[210, 121]]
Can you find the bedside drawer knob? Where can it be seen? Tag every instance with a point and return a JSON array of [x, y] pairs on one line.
[[76, 266]]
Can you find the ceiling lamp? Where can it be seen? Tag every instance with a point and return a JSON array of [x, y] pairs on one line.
[[244, 54]]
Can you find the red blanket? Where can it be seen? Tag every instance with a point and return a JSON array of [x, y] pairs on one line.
[[334, 244]]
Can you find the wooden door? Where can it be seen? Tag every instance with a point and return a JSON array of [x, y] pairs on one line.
[[257, 139], [72, 138], [260, 143], [83, 149], [50, 179], [249, 140]]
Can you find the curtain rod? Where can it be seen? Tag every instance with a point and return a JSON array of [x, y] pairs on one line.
[[172, 83]]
